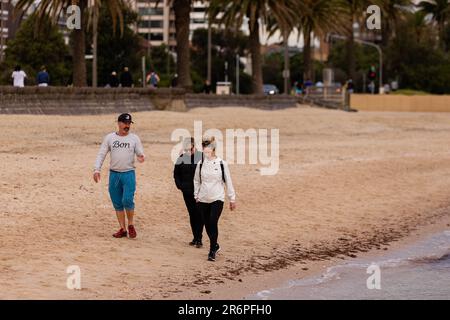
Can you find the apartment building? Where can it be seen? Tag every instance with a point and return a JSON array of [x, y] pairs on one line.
[[5, 25], [156, 21]]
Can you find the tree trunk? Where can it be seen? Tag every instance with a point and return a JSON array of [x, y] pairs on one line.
[[351, 59], [386, 33], [286, 73], [79, 50], [182, 9], [255, 51], [441, 31], [95, 46], [307, 59]]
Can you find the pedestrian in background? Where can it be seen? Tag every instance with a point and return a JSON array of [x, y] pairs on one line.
[[43, 78]]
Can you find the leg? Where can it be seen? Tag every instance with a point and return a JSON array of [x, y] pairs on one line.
[[199, 225], [130, 216], [115, 192], [129, 188], [205, 213], [194, 218], [215, 212], [121, 218]]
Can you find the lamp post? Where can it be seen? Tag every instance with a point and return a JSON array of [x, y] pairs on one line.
[[208, 73], [370, 44], [286, 71], [238, 59]]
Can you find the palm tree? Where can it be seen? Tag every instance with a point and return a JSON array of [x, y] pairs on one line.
[[182, 10], [440, 12], [54, 8], [419, 24], [232, 14], [393, 12], [319, 17], [354, 13]]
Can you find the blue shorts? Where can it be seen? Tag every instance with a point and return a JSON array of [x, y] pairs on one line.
[[122, 186]]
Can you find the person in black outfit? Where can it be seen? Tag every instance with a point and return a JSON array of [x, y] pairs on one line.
[[113, 80], [183, 174], [126, 79], [206, 87], [174, 81]]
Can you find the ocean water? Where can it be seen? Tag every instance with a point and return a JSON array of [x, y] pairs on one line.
[[417, 272]]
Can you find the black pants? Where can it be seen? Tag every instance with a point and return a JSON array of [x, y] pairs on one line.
[[211, 214], [195, 217]]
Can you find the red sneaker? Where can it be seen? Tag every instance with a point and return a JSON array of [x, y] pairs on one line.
[[120, 234], [132, 231]]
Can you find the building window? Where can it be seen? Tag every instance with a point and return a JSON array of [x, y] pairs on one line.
[[198, 21], [151, 24], [156, 23], [143, 24], [156, 36], [151, 11]]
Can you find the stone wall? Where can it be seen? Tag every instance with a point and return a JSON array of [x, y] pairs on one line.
[[249, 101], [78, 101]]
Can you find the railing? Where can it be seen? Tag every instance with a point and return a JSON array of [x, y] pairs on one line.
[[333, 97]]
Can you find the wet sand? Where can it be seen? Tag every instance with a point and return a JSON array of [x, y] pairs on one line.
[[348, 183]]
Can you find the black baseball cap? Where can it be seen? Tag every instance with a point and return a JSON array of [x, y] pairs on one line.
[[125, 117]]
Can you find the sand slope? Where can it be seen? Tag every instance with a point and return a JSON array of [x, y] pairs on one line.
[[347, 182]]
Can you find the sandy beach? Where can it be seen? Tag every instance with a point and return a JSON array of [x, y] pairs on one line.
[[347, 183]]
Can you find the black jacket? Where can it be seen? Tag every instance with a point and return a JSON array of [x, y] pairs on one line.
[[126, 80], [184, 171]]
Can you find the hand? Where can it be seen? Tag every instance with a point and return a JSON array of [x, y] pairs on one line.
[[196, 200], [141, 158], [97, 177], [232, 206]]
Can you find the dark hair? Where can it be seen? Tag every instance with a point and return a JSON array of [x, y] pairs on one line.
[[211, 142], [206, 143], [17, 68], [188, 143]]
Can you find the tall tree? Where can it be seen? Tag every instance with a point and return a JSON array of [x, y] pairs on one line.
[[32, 49], [225, 45], [182, 11], [393, 12], [54, 9], [232, 14], [354, 13], [319, 17], [440, 13], [116, 50]]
